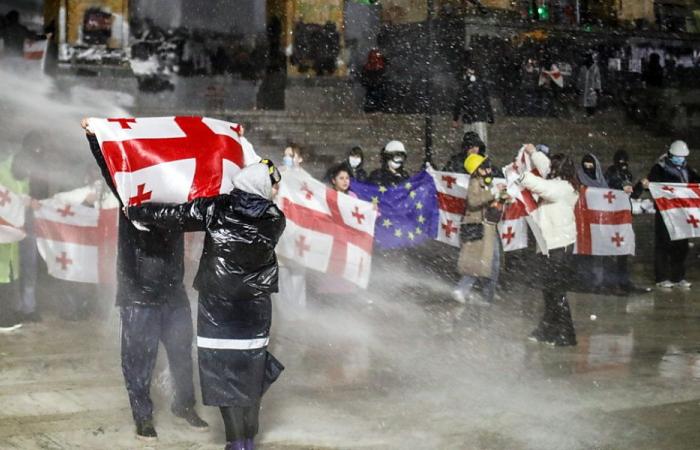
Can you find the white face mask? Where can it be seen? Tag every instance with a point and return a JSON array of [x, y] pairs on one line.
[[354, 161], [395, 165], [472, 78]]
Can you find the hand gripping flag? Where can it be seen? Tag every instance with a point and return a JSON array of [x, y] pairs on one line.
[[679, 205], [408, 212], [77, 242], [11, 216], [604, 223], [171, 159], [451, 196], [326, 231]]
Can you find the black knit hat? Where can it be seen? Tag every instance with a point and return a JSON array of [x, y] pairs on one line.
[[471, 139]]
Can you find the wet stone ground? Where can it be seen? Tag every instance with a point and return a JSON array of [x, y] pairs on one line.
[[401, 368]]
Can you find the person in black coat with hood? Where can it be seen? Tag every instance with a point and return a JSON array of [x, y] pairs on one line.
[[237, 274], [471, 143], [153, 308], [669, 256], [473, 105]]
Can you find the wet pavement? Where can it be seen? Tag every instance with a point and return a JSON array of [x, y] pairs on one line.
[[402, 368]]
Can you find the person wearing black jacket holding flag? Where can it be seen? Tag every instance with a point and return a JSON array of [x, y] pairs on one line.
[[669, 256], [154, 308], [237, 274]]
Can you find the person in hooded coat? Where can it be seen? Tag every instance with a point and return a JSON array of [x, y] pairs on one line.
[[237, 274], [592, 267], [589, 84], [154, 308], [471, 144], [619, 176], [670, 256]]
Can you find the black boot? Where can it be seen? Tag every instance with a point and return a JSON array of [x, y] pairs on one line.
[[546, 331], [145, 430], [565, 333]]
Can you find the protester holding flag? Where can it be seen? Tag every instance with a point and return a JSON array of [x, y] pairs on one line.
[[480, 255], [10, 319], [237, 274], [471, 143], [392, 171], [154, 307], [558, 194], [669, 256]]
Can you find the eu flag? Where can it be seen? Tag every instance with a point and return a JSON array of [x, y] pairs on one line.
[[408, 211]]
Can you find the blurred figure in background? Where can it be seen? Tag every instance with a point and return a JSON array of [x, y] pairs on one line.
[[471, 144], [473, 105], [589, 84], [373, 80]]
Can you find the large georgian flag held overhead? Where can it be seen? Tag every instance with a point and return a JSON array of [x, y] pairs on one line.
[[604, 223], [326, 231], [77, 242], [11, 216], [171, 159], [679, 205]]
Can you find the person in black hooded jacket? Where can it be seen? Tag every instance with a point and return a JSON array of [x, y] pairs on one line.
[[237, 274], [153, 307], [669, 256]]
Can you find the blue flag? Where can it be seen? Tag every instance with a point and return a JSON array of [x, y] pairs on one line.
[[408, 211]]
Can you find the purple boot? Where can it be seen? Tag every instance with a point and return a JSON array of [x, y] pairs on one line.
[[236, 445], [250, 444]]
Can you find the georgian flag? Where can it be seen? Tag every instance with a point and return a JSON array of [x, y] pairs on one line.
[[604, 223], [77, 242], [35, 50], [452, 194], [679, 205], [512, 228], [172, 159], [554, 75], [326, 230], [11, 216]]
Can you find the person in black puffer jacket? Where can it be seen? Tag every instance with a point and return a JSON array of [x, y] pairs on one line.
[[153, 307], [237, 274], [669, 256]]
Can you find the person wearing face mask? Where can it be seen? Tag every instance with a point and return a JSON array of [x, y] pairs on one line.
[[619, 176], [293, 157], [473, 105], [557, 196], [480, 254], [590, 173], [392, 171], [237, 274], [669, 256], [352, 164]]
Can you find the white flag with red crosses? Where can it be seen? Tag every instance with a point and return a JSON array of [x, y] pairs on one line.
[[604, 223], [77, 242], [679, 205], [452, 194], [172, 159], [327, 231], [513, 227], [11, 216]]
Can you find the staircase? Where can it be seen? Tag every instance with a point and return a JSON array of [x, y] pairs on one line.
[[328, 137]]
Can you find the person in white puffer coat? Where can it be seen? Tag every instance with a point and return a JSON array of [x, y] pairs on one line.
[[557, 194]]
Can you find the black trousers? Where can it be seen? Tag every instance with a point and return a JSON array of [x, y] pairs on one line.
[[9, 293], [142, 328], [669, 256], [557, 324]]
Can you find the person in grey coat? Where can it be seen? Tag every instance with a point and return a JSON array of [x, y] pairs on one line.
[[589, 84]]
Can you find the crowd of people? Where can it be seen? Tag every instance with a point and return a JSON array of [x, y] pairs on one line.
[[239, 271]]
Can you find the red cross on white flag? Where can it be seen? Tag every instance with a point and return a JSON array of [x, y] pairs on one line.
[[452, 193], [512, 228], [604, 223], [11, 216], [172, 159], [326, 231], [77, 242], [679, 205]]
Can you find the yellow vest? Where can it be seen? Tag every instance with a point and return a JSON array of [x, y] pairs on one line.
[[9, 253]]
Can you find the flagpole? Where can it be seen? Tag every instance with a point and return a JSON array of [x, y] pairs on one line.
[[429, 87]]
